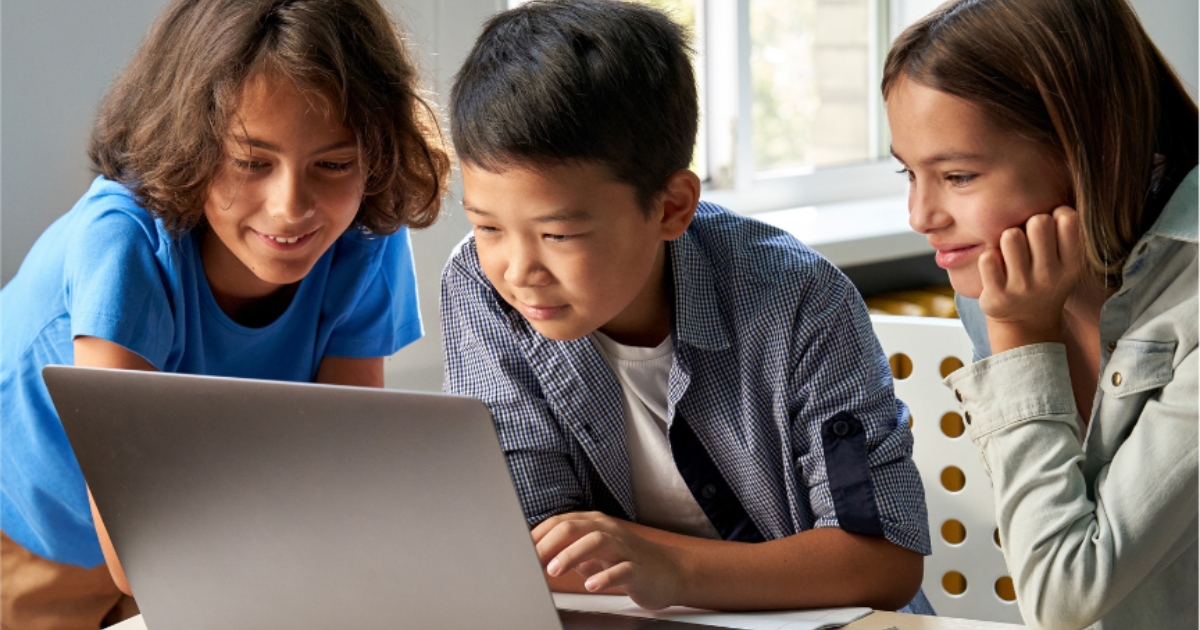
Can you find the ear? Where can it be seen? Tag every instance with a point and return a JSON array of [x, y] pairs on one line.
[[678, 203]]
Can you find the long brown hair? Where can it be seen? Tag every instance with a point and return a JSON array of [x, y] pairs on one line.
[[160, 127], [1080, 76]]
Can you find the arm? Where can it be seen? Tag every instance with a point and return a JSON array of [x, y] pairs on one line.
[[591, 552], [1074, 554], [1074, 551], [347, 371], [96, 352], [824, 566]]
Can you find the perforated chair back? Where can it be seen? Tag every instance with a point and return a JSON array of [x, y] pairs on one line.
[[966, 576]]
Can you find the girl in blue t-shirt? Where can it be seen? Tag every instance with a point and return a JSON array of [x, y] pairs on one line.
[[259, 162]]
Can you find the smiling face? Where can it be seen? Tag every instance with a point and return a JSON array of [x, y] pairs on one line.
[[968, 179], [571, 249], [290, 185]]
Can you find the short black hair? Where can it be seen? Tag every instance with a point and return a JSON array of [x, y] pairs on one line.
[[561, 81]]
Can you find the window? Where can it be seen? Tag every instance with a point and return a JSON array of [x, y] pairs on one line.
[[791, 112], [790, 108]]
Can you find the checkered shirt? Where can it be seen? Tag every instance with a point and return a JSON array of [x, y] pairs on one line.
[[771, 341]]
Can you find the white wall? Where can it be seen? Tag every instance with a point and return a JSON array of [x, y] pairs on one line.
[[57, 57]]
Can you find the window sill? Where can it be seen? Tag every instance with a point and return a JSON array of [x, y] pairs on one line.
[[853, 233]]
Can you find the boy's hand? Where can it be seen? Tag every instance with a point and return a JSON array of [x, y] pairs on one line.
[[1027, 280], [609, 556]]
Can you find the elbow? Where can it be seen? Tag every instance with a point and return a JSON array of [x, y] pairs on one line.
[[1046, 613], [118, 576], [896, 587]]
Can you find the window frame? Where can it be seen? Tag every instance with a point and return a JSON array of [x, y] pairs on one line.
[[725, 154]]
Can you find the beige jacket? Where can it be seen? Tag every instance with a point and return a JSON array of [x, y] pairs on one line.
[[1100, 530]]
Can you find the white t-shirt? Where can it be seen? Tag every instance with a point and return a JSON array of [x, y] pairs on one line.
[[660, 496]]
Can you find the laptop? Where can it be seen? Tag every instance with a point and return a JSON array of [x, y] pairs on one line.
[[262, 504]]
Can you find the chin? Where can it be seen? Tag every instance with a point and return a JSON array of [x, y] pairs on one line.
[[966, 287], [558, 332], [283, 275]]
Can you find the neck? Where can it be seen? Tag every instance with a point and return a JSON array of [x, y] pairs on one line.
[[243, 296], [646, 322]]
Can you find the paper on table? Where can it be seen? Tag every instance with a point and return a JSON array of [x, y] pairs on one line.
[[778, 620]]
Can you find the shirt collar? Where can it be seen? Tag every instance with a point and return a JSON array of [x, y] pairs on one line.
[[1178, 218], [699, 319]]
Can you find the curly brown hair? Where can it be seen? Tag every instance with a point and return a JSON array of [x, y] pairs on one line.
[[160, 127]]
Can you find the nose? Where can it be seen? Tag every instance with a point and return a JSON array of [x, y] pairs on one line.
[[524, 267], [925, 212], [291, 198]]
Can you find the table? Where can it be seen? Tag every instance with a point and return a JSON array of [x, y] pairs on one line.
[[878, 620]]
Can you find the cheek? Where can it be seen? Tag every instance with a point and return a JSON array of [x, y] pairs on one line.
[[343, 199]]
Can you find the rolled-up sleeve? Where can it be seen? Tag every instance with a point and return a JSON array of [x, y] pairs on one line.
[[853, 445], [1076, 552]]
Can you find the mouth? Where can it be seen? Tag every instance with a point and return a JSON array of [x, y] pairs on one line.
[[540, 312], [953, 255], [285, 242]]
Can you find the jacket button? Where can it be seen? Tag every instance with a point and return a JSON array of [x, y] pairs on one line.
[[958, 395], [1116, 379], [841, 428], [1112, 345], [708, 491], [967, 416]]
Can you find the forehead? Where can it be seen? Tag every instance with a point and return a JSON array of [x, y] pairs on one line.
[[578, 191], [923, 118], [270, 97]]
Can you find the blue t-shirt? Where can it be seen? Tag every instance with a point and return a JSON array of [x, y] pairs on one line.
[[108, 269]]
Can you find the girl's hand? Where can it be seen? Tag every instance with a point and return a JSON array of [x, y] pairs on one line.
[[610, 557], [1027, 280]]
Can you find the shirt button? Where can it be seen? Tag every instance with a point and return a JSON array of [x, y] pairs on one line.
[[708, 491], [958, 395], [1116, 379], [1112, 345], [841, 428], [967, 416]]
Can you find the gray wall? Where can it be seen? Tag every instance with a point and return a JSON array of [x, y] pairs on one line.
[[58, 56]]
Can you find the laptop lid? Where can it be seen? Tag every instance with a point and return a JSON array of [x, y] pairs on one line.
[[266, 504]]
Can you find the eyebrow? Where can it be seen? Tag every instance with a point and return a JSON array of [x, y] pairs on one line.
[[267, 146], [952, 156], [559, 216]]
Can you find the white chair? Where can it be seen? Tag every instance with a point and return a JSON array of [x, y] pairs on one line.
[[966, 575]]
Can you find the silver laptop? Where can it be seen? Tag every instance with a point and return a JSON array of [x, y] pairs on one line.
[[260, 504]]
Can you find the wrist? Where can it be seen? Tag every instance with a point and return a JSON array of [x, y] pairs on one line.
[[685, 566], [1006, 335]]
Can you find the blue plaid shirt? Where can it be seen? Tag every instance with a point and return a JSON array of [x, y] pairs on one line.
[[791, 420]]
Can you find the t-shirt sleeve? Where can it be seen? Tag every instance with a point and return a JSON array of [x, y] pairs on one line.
[[382, 315], [117, 284]]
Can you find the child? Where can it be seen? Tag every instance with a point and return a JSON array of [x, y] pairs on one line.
[[1052, 156], [259, 162], [670, 381]]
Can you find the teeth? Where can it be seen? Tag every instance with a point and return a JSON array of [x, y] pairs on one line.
[[279, 239]]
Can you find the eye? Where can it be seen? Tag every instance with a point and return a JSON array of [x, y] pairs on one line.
[[248, 166], [336, 167], [558, 238], [960, 179], [907, 174], [486, 229]]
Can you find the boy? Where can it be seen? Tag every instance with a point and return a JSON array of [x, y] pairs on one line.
[[669, 381]]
